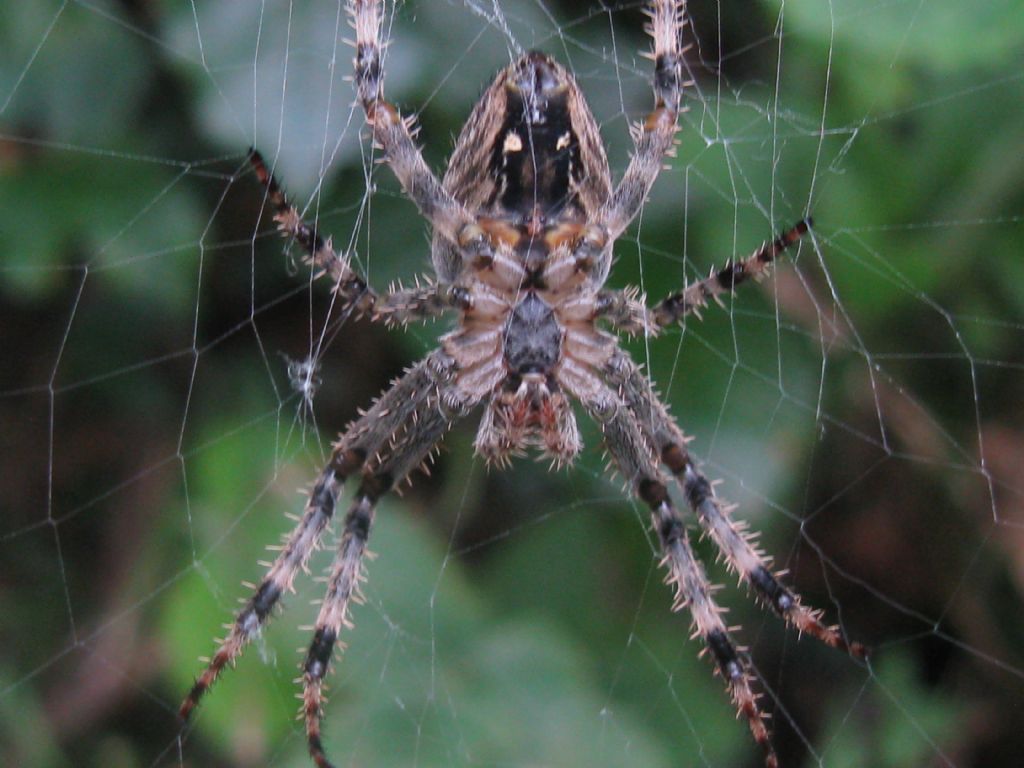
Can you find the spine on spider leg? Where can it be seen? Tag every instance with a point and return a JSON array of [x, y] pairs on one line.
[[349, 285], [258, 608], [687, 578], [695, 297], [342, 590], [748, 562]]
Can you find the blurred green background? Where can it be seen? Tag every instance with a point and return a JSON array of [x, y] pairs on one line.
[[864, 406]]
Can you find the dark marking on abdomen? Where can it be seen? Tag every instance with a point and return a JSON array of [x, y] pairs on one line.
[[533, 338], [536, 153]]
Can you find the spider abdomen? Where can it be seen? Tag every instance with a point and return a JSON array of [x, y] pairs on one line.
[[533, 337], [535, 159]]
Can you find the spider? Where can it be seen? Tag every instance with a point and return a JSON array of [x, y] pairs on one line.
[[524, 221]]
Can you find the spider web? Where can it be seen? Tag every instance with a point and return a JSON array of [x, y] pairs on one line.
[[172, 375]]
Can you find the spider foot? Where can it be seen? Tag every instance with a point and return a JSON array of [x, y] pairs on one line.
[[745, 700], [807, 620], [313, 699], [693, 592], [202, 684], [745, 559]]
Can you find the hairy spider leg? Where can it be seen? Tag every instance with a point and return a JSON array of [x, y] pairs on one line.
[[393, 134], [403, 451], [628, 313], [742, 557], [249, 622], [693, 298], [342, 589], [635, 457], [653, 137], [400, 306], [425, 388]]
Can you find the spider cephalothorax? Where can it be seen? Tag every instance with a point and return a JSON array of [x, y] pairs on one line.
[[524, 221]]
